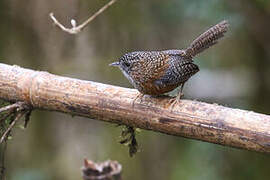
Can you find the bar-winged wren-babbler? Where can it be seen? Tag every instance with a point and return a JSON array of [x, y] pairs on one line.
[[158, 72]]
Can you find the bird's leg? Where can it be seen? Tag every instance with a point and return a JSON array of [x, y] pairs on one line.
[[178, 97], [139, 96], [180, 93]]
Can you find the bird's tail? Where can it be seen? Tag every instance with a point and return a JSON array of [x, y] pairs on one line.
[[207, 39]]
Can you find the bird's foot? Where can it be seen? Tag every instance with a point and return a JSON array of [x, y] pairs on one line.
[[175, 100], [139, 96]]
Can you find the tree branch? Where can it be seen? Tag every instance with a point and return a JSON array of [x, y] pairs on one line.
[[76, 29], [191, 119]]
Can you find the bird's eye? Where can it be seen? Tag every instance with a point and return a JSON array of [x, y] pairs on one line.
[[127, 64]]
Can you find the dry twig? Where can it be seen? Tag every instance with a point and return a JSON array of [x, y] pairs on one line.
[[11, 107], [76, 29], [16, 110], [2, 159], [18, 116]]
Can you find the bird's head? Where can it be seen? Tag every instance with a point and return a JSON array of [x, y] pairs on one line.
[[127, 64]]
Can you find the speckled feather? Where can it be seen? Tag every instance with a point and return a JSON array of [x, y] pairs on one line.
[[158, 72]]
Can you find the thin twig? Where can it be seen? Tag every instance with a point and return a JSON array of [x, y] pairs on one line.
[[15, 112], [76, 29], [27, 117], [5, 116], [96, 14], [17, 109], [11, 107], [2, 154], [18, 106], [18, 116]]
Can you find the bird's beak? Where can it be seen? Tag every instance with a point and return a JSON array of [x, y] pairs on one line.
[[114, 64]]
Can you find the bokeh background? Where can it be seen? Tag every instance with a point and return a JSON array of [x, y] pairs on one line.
[[234, 73]]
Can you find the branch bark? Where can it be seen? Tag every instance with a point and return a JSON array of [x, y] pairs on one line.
[[192, 119]]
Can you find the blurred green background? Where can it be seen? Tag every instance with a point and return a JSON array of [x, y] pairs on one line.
[[234, 73]]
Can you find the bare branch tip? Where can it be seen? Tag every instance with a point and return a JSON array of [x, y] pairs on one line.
[[73, 23], [76, 29], [52, 16]]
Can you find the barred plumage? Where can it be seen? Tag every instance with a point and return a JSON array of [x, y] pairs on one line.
[[158, 72], [207, 39]]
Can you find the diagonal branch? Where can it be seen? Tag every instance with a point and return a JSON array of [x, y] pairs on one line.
[[192, 119], [11, 107], [14, 113], [76, 29], [5, 134]]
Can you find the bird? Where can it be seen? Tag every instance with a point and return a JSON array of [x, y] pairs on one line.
[[158, 72]]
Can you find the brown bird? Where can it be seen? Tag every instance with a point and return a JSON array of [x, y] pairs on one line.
[[158, 72]]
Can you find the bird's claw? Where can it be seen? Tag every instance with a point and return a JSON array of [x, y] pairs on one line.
[[139, 96], [175, 100]]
